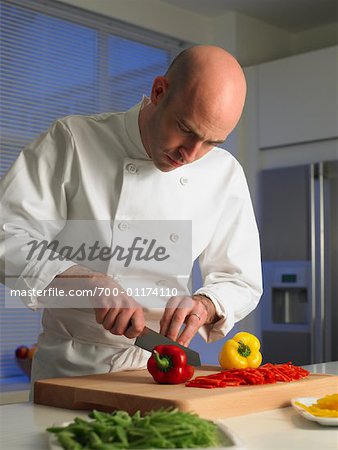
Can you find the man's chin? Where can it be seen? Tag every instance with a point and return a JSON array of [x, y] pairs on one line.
[[165, 166]]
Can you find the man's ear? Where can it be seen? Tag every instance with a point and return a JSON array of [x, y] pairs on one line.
[[159, 89]]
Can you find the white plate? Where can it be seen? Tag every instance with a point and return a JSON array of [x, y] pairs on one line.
[[234, 442], [308, 401]]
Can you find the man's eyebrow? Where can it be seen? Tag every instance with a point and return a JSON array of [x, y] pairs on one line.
[[221, 141]]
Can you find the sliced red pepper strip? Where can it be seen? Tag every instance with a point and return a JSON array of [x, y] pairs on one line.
[[206, 380], [200, 385], [266, 374], [231, 383]]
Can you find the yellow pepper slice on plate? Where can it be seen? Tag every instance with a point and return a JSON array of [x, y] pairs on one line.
[[324, 407], [241, 352]]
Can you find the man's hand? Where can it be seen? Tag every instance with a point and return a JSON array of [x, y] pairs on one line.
[[116, 312], [192, 311]]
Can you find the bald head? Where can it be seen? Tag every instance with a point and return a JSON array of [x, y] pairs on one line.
[[212, 78], [193, 107]]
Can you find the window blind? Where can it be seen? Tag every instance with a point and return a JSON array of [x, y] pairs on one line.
[[56, 61]]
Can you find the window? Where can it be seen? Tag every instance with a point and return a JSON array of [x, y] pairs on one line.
[[55, 61]]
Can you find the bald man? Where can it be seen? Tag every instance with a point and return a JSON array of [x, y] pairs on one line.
[[158, 161]]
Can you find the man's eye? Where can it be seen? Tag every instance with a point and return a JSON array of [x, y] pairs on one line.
[[183, 128]]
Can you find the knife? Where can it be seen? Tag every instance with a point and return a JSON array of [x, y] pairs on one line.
[[149, 338]]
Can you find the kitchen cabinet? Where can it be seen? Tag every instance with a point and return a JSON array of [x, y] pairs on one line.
[[298, 99]]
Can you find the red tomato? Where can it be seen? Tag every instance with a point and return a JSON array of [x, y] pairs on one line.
[[22, 352]]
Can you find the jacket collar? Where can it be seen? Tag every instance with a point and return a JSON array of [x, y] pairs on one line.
[[136, 150]]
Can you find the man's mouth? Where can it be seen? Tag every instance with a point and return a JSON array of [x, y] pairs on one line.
[[174, 163]]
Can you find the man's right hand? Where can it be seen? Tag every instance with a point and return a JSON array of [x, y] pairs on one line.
[[120, 314]]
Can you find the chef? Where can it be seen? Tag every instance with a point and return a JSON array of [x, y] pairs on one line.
[[100, 175]]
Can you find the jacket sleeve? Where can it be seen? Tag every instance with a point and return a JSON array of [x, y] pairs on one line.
[[34, 208], [231, 263]]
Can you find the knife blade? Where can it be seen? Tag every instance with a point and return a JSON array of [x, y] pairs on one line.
[[149, 338]]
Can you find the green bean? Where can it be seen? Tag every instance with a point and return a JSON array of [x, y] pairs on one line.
[[94, 440], [122, 435], [55, 429], [78, 430], [67, 441], [97, 415], [165, 428]]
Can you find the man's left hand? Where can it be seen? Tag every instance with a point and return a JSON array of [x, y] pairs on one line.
[[192, 311]]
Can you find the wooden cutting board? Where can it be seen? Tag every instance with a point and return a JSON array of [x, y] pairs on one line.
[[136, 390]]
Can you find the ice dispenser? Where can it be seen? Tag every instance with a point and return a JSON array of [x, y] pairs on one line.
[[289, 305], [286, 311]]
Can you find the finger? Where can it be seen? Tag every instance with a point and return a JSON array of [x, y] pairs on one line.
[[168, 314], [165, 320], [173, 304], [123, 322], [194, 320], [193, 323], [110, 318], [136, 324], [176, 323], [100, 314]]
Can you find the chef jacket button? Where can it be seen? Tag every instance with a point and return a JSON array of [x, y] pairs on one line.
[[131, 168], [174, 237], [184, 181], [123, 226]]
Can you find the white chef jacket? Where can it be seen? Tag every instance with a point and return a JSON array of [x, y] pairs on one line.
[[80, 170]]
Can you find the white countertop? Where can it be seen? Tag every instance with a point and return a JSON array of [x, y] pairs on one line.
[[23, 425]]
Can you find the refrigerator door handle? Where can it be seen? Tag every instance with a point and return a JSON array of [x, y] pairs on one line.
[[318, 263], [313, 262], [322, 257]]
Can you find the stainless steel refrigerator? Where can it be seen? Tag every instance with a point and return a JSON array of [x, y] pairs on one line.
[[299, 232]]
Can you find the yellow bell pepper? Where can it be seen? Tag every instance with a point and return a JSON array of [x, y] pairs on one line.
[[240, 352]]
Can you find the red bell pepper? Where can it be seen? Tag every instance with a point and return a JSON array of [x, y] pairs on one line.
[[168, 365]]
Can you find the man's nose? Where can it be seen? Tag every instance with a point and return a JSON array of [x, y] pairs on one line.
[[189, 150]]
